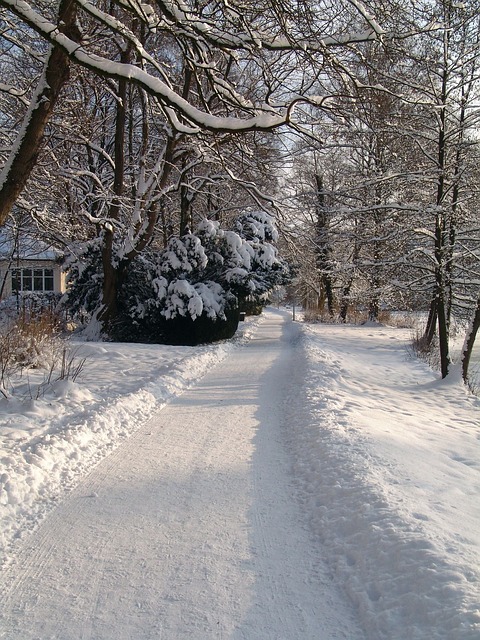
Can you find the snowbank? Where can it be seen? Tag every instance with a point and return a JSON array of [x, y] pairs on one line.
[[47, 444], [387, 464]]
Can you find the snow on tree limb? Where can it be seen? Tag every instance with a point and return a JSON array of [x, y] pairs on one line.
[[179, 13], [261, 118], [22, 159], [199, 120]]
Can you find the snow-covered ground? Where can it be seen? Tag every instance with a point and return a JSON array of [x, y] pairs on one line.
[[387, 459], [383, 459], [47, 443]]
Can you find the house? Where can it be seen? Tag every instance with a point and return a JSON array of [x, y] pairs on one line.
[[28, 265]]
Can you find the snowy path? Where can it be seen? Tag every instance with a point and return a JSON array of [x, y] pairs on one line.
[[189, 530]]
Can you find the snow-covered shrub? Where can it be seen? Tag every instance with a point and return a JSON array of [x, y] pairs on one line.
[[267, 269], [136, 300], [189, 292], [31, 339], [257, 226], [183, 255], [135, 295], [204, 278], [84, 280], [192, 304], [189, 276], [186, 299]]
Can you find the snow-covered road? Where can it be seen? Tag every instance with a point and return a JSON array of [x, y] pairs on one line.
[[190, 529]]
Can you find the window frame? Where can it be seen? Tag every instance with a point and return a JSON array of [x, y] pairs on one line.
[[34, 279]]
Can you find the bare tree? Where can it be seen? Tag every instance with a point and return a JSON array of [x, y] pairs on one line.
[[447, 62], [184, 66], [23, 157]]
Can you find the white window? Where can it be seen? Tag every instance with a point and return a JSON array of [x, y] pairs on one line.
[[40, 280]]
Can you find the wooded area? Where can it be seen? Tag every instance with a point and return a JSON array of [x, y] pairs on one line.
[[161, 145]]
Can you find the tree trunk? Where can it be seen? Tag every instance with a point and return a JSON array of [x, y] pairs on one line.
[[470, 341], [443, 335], [324, 249], [431, 323], [114, 272], [441, 293], [376, 278], [344, 304], [373, 310], [327, 282], [111, 271], [23, 158], [440, 219], [185, 211]]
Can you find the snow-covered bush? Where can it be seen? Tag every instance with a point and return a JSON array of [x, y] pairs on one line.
[[193, 290], [29, 339], [84, 280], [243, 261], [135, 296], [189, 280], [267, 269], [192, 303], [204, 278], [257, 227]]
